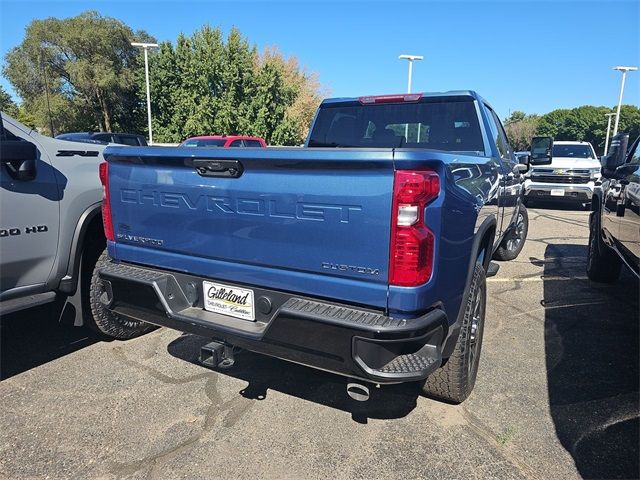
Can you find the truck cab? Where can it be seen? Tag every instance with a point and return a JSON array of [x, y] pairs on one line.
[[571, 177], [614, 224], [51, 228]]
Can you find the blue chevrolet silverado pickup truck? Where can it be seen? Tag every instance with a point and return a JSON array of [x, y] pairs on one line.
[[364, 253]]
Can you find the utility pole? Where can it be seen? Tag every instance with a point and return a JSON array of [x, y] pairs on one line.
[[46, 94], [606, 142], [624, 71], [146, 47], [411, 59]]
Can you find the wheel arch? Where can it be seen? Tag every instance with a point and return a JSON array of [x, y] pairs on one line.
[[89, 223], [481, 248]]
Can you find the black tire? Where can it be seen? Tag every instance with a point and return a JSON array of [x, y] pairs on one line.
[[102, 320], [454, 381], [513, 242], [603, 264]]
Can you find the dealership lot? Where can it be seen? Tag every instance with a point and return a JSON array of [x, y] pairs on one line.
[[557, 394]]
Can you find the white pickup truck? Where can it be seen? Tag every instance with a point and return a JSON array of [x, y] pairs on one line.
[[571, 176]]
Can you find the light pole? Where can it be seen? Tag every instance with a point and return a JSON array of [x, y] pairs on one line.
[[411, 59], [606, 142], [146, 47], [624, 71]]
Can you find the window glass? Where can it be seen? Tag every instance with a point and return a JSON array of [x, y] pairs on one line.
[[447, 124], [498, 134], [127, 140], [236, 143], [105, 137], [195, 142], [572, 151], [634, 157], [252, 143]]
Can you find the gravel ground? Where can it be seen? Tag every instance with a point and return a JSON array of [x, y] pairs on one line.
[[556, 397]]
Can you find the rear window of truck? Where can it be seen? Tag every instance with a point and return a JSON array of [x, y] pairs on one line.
[[447, 125]]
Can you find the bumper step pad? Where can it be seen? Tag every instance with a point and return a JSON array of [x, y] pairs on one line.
[[411, 363], [350, 340]]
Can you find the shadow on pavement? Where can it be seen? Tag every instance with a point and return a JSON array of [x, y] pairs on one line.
[[265, 373], [34, 337], [565, 205], [591, 344]]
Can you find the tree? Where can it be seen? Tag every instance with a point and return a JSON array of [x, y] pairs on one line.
[[520, 128], [207, 84], [86, 67], [7, 104], [588, 123], [308, 93]]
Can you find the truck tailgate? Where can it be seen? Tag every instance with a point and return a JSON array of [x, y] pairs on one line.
[[314, 221]]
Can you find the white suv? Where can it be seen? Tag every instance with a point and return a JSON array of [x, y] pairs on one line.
[[571, 176]]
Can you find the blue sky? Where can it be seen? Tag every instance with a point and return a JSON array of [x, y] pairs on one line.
[[531, 56]]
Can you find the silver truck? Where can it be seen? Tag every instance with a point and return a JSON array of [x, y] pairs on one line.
[[51, 231], [572, 175]]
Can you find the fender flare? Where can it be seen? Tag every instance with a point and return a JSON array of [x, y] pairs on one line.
[[454, 329], [69, 282]]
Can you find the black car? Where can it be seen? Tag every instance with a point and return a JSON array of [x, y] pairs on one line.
[[614, 224], [105, 137]]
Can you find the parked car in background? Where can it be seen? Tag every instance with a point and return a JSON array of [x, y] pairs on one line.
[[365, 255], [224, 141], [571, 176], [51, 231], [105, 137], [614, 224]]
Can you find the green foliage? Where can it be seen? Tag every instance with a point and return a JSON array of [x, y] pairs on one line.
[[206, 84], [26, 118], [81, 73], [87, 68], [520, 128], [588, 123], [7, 104]]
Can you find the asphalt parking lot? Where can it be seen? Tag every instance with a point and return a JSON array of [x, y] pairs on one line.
[[556, 397]]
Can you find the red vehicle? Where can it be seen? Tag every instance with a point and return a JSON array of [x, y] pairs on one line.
[[224, 141]]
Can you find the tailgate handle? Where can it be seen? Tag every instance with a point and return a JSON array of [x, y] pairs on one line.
[[218, 168]]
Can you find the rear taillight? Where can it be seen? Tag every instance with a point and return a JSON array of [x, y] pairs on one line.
[[107, 222], [412, 243]]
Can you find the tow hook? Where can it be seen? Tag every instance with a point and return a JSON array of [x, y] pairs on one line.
[[217, 354]]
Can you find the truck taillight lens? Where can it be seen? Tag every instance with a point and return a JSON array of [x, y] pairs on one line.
[[412, 243], [107, 222]]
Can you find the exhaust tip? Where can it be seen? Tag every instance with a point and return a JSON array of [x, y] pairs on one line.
[[358, 392]]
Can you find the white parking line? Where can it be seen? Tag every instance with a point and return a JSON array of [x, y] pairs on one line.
[[534, 279]]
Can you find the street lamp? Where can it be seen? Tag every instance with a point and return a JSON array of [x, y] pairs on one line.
[[146, 47], [606, 142], [624, 71], [411, 59]]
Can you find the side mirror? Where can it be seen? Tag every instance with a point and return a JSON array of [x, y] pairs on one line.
[[523, 164], [616, 156], [20, 158], [541, 150]]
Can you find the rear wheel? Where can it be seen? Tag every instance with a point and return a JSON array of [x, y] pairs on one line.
[[102, 320], [603, 264], [454, 381], [513, 243]]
